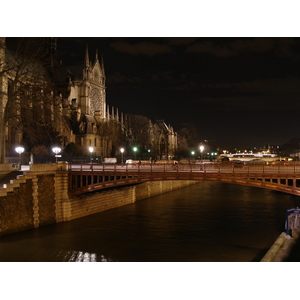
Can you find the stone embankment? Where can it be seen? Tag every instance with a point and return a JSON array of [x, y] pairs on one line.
[[40, 197], [281, 249]]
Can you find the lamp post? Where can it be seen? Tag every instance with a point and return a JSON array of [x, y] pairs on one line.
[[201, 150], [192, 156], [122, 151], [56, 150], [134, 150], [91, 149], [19, 150]]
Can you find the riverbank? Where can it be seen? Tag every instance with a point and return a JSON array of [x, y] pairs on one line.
[[282, 248], [40, 197]]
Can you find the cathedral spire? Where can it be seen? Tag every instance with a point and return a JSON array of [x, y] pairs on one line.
[[107, 112], [117, 115], [122, 118], [113, 112], [103, 71], [87, 60], [86, 63], [102, 65]]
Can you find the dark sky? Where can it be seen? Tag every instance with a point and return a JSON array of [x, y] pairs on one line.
[[237, 91]]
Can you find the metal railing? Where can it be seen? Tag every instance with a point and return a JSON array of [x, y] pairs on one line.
[[91, 177], [279, 168]]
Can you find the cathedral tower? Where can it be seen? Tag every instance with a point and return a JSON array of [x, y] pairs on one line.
[[90, 91]]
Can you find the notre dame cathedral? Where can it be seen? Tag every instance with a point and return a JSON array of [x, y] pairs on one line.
[[38, 112]]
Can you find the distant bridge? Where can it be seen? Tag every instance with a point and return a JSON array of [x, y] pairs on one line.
[[283, 177]]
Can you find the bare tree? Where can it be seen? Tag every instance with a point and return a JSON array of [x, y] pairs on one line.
[[112, 131], [27, 94], [140, 129]]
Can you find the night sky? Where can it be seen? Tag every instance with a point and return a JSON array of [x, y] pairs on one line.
[[237, 91]]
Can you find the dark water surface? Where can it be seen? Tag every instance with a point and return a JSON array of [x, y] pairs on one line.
[[206, 222]]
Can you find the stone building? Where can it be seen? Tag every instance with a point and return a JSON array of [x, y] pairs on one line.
[[77, 110], [165, 140], [84, 108], [31, 111]]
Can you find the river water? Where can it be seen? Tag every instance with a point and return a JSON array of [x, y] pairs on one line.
[[206, 222]]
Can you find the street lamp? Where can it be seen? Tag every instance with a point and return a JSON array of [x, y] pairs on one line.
[[91, 149], [19, 150], [122, 151], [134, 150], [56, 150], [192, 155], [201, 150]]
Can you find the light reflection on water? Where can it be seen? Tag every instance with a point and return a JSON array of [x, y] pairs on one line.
[[209, 221], [79, 256]]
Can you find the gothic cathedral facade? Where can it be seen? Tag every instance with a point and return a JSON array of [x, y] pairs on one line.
[[84, 107], [80, 115]]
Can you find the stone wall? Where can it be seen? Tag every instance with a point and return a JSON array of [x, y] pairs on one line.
[[40, 197], [16, 210], [88, 204], [96, 202], [46, 199], [29, 202]]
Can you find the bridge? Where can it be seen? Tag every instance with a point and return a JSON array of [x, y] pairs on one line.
[[283, 177]]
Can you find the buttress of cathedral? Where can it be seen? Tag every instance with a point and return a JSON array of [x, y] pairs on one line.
[[166, 140]]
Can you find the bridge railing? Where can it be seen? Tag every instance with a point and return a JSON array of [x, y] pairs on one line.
[[288, 168], [86, 177]]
